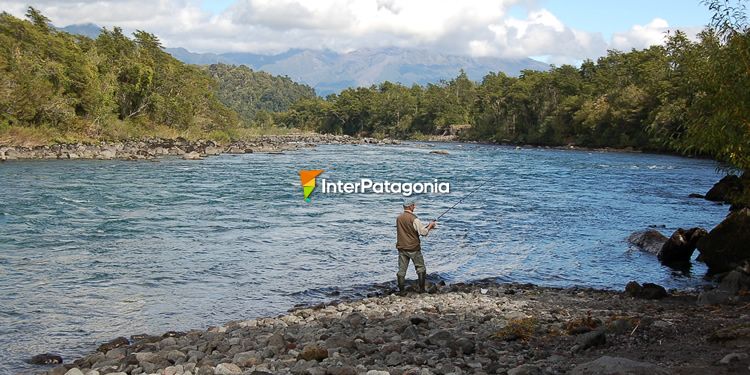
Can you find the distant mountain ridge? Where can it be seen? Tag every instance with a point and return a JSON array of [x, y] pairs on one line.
[[86, 29], [330, 72]]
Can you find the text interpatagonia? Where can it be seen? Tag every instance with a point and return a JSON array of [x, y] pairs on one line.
[[367, 186]]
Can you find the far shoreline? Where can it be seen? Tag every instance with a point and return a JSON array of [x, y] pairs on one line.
[[569, 147], [154, 148]]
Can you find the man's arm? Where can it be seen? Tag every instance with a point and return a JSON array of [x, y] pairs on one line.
[[421, 229]]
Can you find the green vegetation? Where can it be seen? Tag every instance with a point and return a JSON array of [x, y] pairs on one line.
[[255, 95]]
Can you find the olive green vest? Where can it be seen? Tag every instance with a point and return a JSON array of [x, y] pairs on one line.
[[407, 238]]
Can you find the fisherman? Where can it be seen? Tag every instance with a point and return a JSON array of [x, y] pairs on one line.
[[408, 230]]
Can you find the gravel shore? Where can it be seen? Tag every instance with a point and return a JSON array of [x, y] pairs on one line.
[[180, 147], [478, 328]]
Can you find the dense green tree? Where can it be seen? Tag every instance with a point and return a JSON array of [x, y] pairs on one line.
[[249, 92], [718, 116]]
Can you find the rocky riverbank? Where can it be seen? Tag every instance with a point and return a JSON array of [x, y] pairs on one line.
[[180, 147], [479, 328]]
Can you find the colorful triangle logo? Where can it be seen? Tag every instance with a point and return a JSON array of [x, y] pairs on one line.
[[307, 178]]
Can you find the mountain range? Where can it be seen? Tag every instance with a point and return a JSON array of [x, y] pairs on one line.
[[330, 72]]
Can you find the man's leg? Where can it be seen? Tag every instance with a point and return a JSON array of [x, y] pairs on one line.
[[403, 265], [421, 269]]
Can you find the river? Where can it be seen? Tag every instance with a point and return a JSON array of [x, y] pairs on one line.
[[91, 250]]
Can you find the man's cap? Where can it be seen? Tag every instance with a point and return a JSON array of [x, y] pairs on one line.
[[409, 202]]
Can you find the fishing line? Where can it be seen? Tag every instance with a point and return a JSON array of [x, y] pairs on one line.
[[488, 179]]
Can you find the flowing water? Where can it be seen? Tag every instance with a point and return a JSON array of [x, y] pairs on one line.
[[91, 250]]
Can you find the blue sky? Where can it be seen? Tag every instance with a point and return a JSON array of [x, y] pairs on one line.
[[610, 16], [216, 6]]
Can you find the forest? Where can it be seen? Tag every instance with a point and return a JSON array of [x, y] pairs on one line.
[[686, 96]]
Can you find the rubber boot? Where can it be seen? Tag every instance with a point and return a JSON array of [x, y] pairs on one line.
[[401, 280], [422, 279]]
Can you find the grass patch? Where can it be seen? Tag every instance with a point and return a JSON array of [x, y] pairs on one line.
[[582, 325], [29, 136], [118, 130], [517, 329]]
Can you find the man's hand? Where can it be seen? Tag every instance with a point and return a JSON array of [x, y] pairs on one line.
[[432, 225]]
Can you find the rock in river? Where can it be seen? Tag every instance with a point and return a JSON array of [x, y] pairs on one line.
[[116, 343], [725, 190], [649, 240], [680, 246], [45, 359], [728, 245]]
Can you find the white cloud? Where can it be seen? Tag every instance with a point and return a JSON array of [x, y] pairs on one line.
[[641, 36], [541, 33], [475, 27]]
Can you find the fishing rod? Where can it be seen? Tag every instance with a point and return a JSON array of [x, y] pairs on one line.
[[465, 196]]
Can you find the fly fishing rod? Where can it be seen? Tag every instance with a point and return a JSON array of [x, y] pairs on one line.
[[464, 197]]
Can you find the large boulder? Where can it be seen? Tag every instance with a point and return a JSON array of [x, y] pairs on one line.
[[725, 190], [737, 280], [680, 246], [649, 240], [728, 244], [733, 190]]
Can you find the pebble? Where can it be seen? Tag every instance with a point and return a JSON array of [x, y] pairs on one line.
[[525, 369], [731, 357], [314, 352], [590, 339], [617, 365], [227, 369]]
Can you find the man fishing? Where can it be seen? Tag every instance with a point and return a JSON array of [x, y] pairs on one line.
[[408, 230]]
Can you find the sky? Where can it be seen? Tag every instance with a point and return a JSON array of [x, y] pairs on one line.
[[554, 31]]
